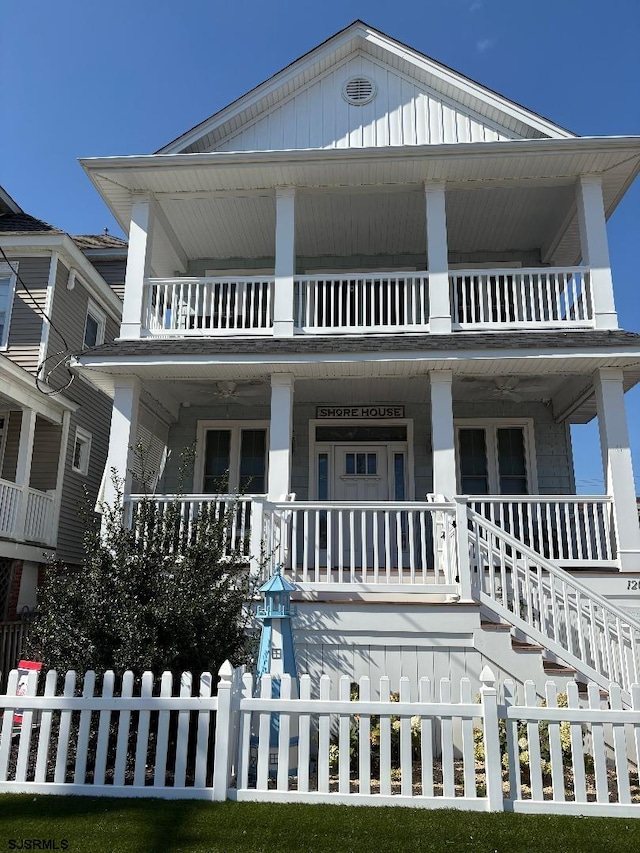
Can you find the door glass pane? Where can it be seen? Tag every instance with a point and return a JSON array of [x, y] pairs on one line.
[[472, 445], [350, 463], [323, 476], [253, 447], [512, 466], [216, 461], [372, 463], [398, 475]]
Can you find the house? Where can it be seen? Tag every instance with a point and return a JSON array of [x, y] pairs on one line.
[[53, 425], [375, 295]]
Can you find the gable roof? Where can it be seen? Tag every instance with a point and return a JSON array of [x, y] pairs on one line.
[[360, 40]]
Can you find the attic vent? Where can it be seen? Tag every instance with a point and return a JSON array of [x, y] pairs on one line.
[[359, 91]]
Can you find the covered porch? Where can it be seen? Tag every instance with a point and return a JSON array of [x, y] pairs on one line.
[[351, 471], [34, 433]]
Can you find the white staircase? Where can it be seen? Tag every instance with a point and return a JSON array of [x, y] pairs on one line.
[[551, 608]]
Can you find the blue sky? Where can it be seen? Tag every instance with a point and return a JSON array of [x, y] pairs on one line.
[[88, 79]]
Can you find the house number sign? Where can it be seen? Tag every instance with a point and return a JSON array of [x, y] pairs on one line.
[[364, 412]]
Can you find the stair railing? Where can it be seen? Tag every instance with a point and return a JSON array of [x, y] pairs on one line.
[[553, 608]]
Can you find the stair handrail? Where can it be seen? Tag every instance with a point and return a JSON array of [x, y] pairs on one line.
[[609, 610]]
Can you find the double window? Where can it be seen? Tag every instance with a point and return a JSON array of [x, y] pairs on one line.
[[7, 287], [233, 458], [495, 458]]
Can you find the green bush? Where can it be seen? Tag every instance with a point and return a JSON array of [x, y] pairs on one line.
[[157, 596]]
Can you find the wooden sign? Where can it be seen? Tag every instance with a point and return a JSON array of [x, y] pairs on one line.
[[370, 413]]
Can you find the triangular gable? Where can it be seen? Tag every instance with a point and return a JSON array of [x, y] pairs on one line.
[[417, 101]]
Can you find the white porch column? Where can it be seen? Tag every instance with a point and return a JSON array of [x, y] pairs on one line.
[[280, 435], [442, 434], [617, 464], [138, 266], [437, 259], [124, 425], [595, 249], [23, 465], [285, 262]]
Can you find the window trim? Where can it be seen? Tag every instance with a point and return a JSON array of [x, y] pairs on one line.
[[86, 437], [491, 425], [100, 317], [235, 427], [7, 271]]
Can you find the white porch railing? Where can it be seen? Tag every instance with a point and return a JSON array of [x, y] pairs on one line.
[[374, 545], [522, 298], [573, 530], [208, 306], [173, 517], [38, 521], [10, 499], [554, 608], [362, 302], [33, 523]]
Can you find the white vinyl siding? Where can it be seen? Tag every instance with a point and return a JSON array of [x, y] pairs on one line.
[[402, 112]]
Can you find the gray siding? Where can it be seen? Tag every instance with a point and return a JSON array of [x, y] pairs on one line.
[[25, 331], [94, 415], [552, 446], [46, 450], [112, 271]]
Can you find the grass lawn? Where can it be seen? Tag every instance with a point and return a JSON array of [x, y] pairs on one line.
[[157, 826]]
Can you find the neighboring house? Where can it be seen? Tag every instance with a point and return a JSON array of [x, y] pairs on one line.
[[369, 286], [53, 438]]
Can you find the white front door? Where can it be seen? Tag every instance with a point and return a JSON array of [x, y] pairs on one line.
[[361, 473]]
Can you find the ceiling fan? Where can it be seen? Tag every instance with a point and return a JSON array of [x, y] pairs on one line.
[[507, 387]]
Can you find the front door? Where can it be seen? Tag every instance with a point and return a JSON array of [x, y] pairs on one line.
[[361, 473], [373, 473]]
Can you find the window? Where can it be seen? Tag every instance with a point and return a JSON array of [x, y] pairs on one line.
[[496, 458], [94, 327], [233, 458], [7, 288], [81, 451]]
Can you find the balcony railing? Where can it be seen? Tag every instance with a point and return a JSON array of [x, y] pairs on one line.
[[208, 306], [521, 298], [368, 302], [362, 302], [26, 514]]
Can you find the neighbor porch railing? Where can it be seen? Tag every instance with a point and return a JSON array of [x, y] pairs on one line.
[[26, 513], [573, 530], [368, 302], [522, 298]]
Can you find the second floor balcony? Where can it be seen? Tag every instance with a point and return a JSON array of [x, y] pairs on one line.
[[368, 302]]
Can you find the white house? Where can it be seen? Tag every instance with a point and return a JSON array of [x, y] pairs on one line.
[[375, 295]]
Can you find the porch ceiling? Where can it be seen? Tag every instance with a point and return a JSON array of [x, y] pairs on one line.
[[557, 375], [370, 222], [541, 172]]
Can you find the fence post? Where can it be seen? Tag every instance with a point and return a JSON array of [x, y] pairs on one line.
[[462, 548], [222, 752], [492, 758]]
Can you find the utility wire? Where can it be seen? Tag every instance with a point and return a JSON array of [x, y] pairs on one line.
[[63, 356]]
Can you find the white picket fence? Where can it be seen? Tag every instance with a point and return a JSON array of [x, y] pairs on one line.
[[428, 745]]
